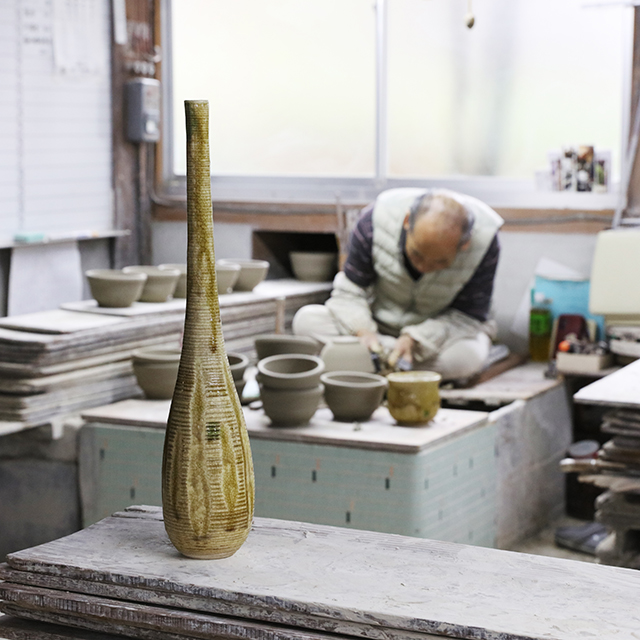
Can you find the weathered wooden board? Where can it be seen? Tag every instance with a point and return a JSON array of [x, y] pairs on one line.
[[57, 321], [30, 386], [13, 628], [136, 309], [342, 581], [620, 389], [380, 433]]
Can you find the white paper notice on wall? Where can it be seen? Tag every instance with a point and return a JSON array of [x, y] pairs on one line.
[[44, 276]]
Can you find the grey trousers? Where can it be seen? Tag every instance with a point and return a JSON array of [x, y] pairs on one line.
[[459, 359]]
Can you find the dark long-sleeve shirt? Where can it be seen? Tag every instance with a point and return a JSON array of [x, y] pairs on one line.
[[474, 298]]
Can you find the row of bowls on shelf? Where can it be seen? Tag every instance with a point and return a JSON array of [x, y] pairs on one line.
[[293, 379], [143, 283]]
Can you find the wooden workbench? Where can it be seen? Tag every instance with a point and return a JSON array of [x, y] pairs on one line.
[[297, 581]]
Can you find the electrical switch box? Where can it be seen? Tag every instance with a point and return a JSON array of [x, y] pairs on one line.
[[143, 110]]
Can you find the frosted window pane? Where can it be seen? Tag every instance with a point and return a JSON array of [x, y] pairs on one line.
[[291, 84], [530, 77]]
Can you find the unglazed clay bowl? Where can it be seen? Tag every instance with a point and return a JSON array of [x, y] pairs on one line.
[[181, 285], [290, 407], [252, 273], [227, 274], [413, 397], [275, 343], [160, 284], [347, 353], [290, 371], [238, 364], [314, 266], [353, 396], [114, 288], [156, 370]]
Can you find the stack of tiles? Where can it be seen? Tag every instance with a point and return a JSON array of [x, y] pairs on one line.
[[617, 467], [53, 363], [56, 362]]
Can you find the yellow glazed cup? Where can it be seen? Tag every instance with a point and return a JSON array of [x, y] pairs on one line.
[[413, 397]]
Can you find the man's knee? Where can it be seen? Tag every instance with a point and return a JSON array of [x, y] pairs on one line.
[[464, 358]]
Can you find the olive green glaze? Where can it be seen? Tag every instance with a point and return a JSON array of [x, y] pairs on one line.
[[413, 397], [207, 471]]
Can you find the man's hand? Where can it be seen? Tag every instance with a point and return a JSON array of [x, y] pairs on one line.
[[402, 350], [370, 340]]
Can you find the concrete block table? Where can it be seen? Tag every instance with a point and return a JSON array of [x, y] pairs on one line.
[[437, 481]]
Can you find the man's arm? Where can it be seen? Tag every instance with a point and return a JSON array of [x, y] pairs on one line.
[[349, 301]]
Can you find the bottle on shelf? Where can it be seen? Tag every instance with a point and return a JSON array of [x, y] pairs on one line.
[[540, 326]]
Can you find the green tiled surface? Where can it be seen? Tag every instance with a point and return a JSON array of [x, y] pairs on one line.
[[447, 492]]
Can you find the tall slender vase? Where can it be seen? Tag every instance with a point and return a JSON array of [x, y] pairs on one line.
[[207, 471]]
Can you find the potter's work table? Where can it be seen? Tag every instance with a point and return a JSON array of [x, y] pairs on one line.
[[432, 481], [380, 432], [520, 383], [620, 389], [299, 581]]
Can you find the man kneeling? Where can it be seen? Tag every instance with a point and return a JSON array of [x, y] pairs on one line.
[[417, 283]]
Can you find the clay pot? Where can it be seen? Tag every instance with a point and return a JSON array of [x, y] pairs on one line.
[[181, 286], [290, 407], [347, 353], [413, 397], [314, 266], [275, 343], [252, 273], [238, 364], [156, 370], [160, 284], [290, 371], [227, 274], [353, 395], [114, 288]]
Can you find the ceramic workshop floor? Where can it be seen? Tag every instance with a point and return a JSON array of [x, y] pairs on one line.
[[543, 543]]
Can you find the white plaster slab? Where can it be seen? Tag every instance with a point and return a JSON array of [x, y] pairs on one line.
[[136, 309], [349, 582], [379, 433], [57, 321], [620, 389]]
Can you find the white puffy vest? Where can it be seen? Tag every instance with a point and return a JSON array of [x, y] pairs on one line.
[[400, 301]]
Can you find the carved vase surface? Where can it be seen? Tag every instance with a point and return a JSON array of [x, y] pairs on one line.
[[207, 471]]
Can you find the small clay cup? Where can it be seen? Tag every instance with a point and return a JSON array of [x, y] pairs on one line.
[[252, 273], [313, 266], [290, 371], [413, 397], [156, 370], [181, 286], [160, 284], [353, 396], [275, 343], [290, 407], [227, 274], [114, 288], [238, 364]]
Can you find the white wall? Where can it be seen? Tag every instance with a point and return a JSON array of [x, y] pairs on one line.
[[519, 256], [169, 241]]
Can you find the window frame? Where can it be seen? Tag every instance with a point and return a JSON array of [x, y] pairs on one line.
[[498, 192]]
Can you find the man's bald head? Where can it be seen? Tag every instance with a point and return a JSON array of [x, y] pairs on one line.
[[437, 228], [444, 212]]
